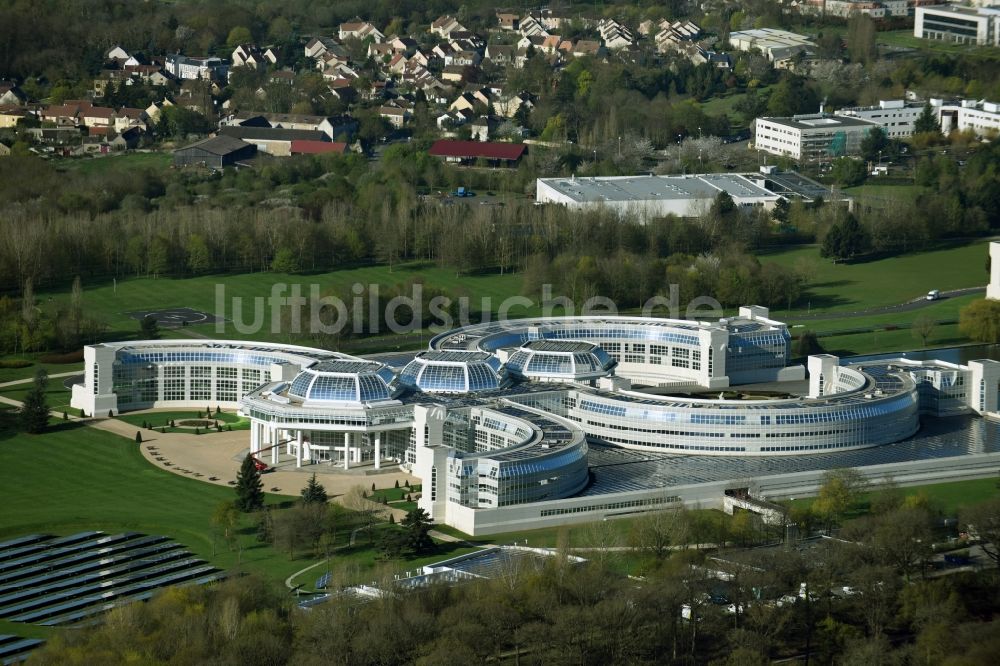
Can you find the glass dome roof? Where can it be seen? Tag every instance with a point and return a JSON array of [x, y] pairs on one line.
[[560, 360], [345, 382], [454, 372]]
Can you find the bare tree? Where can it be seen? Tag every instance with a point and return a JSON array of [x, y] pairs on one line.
[[923, 327]]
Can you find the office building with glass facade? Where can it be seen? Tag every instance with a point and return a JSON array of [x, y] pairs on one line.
[[550, 440]]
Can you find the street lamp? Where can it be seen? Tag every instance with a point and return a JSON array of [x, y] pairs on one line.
[[700, 135]]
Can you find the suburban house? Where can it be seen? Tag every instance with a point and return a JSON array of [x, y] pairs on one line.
[[396, 113], [445, 26], [358, 29], [10, 115], [10, 94], [507, 21], [320, 46], [196, 67], [250, 55], [331, 126]]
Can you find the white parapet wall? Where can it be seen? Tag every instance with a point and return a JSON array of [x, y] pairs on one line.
[[993, 289]]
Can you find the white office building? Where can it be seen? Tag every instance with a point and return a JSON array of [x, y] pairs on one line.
[[897, 117], [654, 196], [963, 25], [811, 137], [979, 116], [777, 45], [993, 290]]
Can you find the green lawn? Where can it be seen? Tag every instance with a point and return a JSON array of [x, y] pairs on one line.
[[113, 303], [155, 161], [851, 287], [12, 374], [906, 39], [882, 191], [58, 397], [160, 419], [948, 498]]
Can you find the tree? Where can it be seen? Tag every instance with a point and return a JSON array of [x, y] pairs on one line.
[[983, 520], [861, 39], [874, 143], [199, 259], [846, 239], [35, 409], [808, 344], [848, 171], [417, 525], [922, 327], [238, 35], [314, 492], [839, 492], [138, 437], [980, 320], [226, 518], [249, 487], [148, 327], [927, 121], [285, 261]]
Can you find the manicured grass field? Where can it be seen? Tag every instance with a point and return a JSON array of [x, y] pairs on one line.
[[880, 191], [161, 419], [57, 396], [12, 374], [205, 292], [851, 287], [947, 498]]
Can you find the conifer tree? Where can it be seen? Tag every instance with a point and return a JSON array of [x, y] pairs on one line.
[[314, 492], [35, 409], [249, 487]]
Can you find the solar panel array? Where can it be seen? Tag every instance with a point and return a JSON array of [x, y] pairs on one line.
[[14, 649], [63, 581]]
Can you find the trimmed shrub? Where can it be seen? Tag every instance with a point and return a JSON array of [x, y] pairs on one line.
[[68, 357], [14, 363], [138, 437]]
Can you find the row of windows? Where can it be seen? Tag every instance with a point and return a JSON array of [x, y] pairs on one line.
[[611, 506]]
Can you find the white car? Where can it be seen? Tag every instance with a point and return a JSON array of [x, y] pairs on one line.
[[933, 295]]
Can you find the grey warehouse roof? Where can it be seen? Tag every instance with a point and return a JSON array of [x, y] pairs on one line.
[[217, 145], [645, 188], [820, 121]]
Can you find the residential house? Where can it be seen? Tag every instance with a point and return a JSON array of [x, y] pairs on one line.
[[318, 46], [510, 106], [127, 118], [117, 53], [380, 51], [282, 76], [61, 115], [445, 26], [500, 55], [11, 115], [4, 149], [126, 140], [451, 119], [463, 59], [483, 128], [529, 26], [358, 29], [154, 109], [11, 95], [250, 55], [454, 73], [397, 64], [196, 67], [343, 89], [615, 35], [396, 112], [403, 45], [588, 47], [508, 21], [331, 126]]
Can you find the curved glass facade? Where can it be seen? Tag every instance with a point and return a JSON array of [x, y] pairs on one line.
[[344, 381], [454, 372]]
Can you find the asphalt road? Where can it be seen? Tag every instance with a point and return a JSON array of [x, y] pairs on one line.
[[908, 306]]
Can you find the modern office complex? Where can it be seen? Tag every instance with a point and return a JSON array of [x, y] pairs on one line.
[[537, 422], [654, 196], [897, 117], [955, 23], [811, 137]]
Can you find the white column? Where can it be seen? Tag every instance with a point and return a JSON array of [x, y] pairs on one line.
[[378, 450], [298, 449], [254, 439], [274, 446], [347, 450]]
